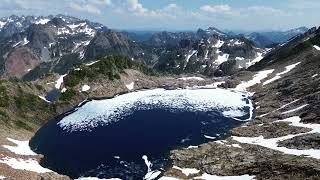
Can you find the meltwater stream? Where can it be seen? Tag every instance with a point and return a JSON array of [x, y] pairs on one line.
[[108, 138]]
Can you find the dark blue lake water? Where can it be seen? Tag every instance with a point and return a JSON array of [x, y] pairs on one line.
[[115, 150]]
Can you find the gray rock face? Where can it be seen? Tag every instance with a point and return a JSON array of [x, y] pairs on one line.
[[309, 141], [214, 55], [111, 43]]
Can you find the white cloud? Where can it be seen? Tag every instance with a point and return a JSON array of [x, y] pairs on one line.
[[305, 5], [264, 10], [27, 5], [223, 8], [170, 11], [136, 7], [92, 6]]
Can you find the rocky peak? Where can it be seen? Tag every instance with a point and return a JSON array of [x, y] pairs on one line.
[[209, 32]]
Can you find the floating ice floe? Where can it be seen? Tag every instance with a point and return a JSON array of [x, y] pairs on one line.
[[21, 148], [278, 75], [273, 142], [150, 174], [209, 137], [102, 112], [21, 164]]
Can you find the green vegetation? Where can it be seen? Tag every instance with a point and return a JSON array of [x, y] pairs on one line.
[[110, 67], [3, 116], [22, 125], [3, 97], [68, 95], [25, 101]]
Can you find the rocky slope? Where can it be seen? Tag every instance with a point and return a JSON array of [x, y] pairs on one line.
[[282, 141]]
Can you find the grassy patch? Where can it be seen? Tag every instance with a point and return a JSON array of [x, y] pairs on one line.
[[68, 95], [109, 67], [3, 116], [25, 101], [22, 125], [4, 98]]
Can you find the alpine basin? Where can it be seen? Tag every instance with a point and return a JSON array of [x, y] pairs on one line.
[[108, 138]]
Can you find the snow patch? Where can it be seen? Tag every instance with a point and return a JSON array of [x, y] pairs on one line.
[[193, 52], [192, 78], [187, 171], [278, 75], [273, 142], [168, 178], [256, 80], [25, 41], [28, 165], [42, 21], [60, 81], [130, 86], [43, 98], [316, 47], [221, 59], [95, 178], [219, 44], [152, 175], [92, 63], [296, 109], [85, 88], [21, 148], [214, 177], [254, 61], [147, 162]]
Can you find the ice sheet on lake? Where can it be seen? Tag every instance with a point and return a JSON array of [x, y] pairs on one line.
[[102, 112]]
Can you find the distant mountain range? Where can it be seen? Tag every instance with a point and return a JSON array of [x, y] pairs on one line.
[[32, 46]]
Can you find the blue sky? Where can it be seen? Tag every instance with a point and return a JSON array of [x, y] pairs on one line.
[[177, 14]]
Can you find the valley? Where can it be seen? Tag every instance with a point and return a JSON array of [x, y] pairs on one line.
[[54, 67]]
